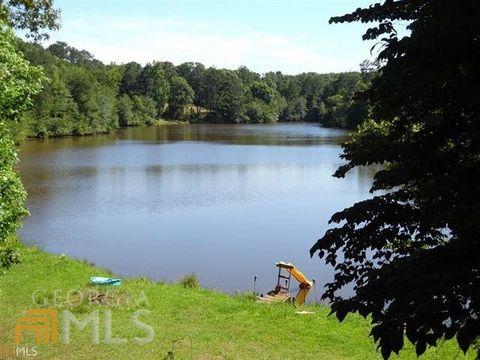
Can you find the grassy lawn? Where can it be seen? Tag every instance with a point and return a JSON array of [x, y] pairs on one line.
[[208, 324]]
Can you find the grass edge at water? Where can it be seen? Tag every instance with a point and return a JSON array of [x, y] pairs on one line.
[[218, 325]]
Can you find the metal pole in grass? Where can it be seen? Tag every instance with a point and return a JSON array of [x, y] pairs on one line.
[[255, 284], [315, 290]]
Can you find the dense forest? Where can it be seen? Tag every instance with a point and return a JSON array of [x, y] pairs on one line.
[[84, 96]]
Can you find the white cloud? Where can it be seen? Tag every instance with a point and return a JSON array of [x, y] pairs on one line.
[[175, 40]]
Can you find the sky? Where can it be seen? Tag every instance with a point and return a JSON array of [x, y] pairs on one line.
[[292, 36]]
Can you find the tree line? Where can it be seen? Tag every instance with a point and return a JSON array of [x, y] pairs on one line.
[[85, 96]]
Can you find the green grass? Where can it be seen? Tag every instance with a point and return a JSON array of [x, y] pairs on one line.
[[217, 326]]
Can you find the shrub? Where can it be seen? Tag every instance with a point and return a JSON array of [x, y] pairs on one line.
[[9, 254], [12, 192], [190, 281]]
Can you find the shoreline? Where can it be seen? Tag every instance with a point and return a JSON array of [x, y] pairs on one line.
[[210, 324], [165, 122]]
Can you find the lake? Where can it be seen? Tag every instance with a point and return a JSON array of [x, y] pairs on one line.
[[223, 201]]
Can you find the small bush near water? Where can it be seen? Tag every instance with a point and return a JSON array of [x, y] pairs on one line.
[[190, 281], [9, 254]]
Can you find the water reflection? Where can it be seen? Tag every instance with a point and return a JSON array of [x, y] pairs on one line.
[[290, 134], [209, 199]]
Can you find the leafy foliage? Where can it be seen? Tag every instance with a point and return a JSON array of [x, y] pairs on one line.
[[225, 96], [412, 253], [181, 95], [190, 281], [153, 83], [32, 16], [12, 193], [18, 82], [9, 254]]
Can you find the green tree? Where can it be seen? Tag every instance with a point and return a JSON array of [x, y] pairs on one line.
[[312, 89], [153, 83], [169, 70], [225, 96], [111, 76], [60, 49], [294, 110], [263, 104], [36, 54], [343, 108], [412, 252], [144, 110], [257, 111], [107, 109], [32, 16], [19, 81], [125, 110], [194, 73], [181, 95], [262, 91], [54, 110], [80, 97], [248, 76], [82, 86], [130, 83]]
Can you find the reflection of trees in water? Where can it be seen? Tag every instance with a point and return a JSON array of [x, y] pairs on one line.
[[41, 146], [278, 134], [275, 134]]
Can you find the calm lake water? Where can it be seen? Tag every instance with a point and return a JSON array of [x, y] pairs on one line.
[[223, 201]]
